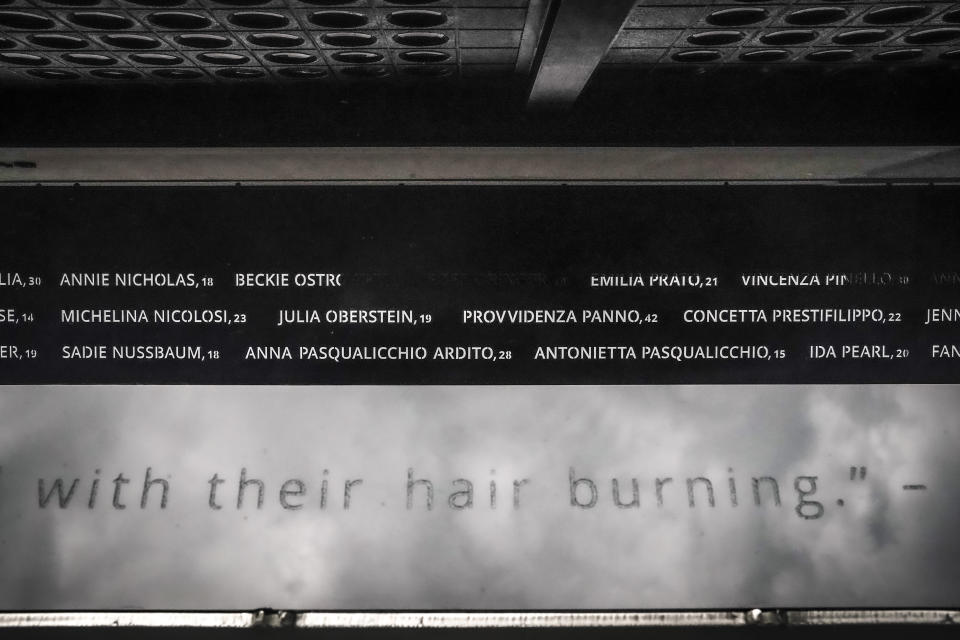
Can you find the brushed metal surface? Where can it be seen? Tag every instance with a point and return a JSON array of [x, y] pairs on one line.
[[478, 164], [477, 620]]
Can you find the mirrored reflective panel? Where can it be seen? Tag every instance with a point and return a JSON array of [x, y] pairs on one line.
[[223, 58], [424, 56], [303, 73], [241, 73], [275, 40], [715, 38], [53, 74], [177, 74], [203, 41], [161, 4], [293, 57], [348, 39], [332, 3], [131, 41], [939, 35], [25, 20], [89, 59], [789, 37], [20, 59], [156, 59], [896, 14], [339, 19], [831, 55], [698, 55], [861, 36], [179, 20], [100, 20], [765, 55], [479, 497], [259, 19], [737, 17], [66, 3], [899, 55], [817, 16], [421, 39], [417, 19], [58, 41], [116, 74], [357, 57]]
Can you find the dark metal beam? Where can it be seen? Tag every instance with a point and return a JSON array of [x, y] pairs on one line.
[[533, 34], [579, 37]]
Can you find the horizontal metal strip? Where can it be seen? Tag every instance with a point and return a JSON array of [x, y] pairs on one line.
[[477, 164], [478, 620]]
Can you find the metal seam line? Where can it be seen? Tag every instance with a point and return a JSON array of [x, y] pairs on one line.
[[480, 620]]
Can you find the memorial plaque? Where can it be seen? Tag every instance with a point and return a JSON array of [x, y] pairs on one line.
[[479, 397]]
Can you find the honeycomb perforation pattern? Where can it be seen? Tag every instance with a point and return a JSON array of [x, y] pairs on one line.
[[166, 41], [711, 34]]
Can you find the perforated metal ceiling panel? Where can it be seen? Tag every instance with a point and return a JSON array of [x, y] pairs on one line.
[[700, 32], [413, 42], [247, 40]]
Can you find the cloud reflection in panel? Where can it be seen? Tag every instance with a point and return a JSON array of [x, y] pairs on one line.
[[479, 497]]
